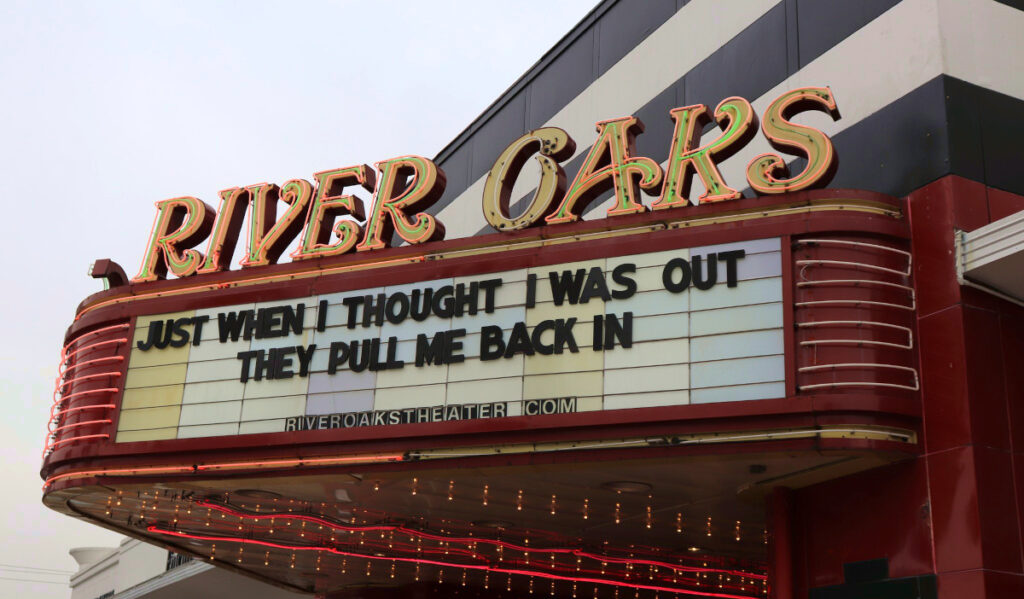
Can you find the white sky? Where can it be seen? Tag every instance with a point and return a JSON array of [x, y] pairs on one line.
[[108, 107]]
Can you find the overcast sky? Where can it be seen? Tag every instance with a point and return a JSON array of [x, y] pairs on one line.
[[111, 106]]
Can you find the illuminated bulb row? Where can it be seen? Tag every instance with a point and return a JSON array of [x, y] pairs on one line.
[[553, 505], [446, 545], [653, 571]]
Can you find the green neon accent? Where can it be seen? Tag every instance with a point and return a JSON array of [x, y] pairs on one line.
[[193, 220], [315, 238], [268, 241], [426, 186], [615, 140], [228, 218], [686, 152], [767, 173]]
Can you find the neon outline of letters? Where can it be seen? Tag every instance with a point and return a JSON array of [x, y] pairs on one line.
[[231, 214], [553, 145], [191, 220], [783, 134], [735, 116], [327, 205], [616, 139], [268, 238], [394, 195]]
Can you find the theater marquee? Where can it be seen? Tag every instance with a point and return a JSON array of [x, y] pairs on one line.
[[559, 402]]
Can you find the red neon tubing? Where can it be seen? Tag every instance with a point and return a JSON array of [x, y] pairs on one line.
[[300, 461], [59, 400], [65, 358], [106, 406], [116, 471], [113, 327], [113, 373], [498, 570], [467, 540], [173, 469], [63, 441], [78, 424], [61, 373]]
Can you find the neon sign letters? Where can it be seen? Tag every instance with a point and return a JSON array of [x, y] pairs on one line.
[[329, 222]]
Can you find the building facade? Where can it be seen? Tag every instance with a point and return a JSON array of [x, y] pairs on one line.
[[714, 301], [138, 570]]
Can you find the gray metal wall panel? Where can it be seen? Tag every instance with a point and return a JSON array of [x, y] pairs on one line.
[[657, 136], [624, 24], [823, 24], [561, 81], [899, 148], [495, 135], [747, 66], [1002, 129]]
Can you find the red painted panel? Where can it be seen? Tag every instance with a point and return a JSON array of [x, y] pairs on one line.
[[934, 212], [1012, 333], [970, 203], [873, 514], [985, 381], [1003, 203], [931, 225], [997, 510], [1000, 585], [780, 543], [954, 507], [947, 421], [788, 327], [1018, 483], [962, 585]]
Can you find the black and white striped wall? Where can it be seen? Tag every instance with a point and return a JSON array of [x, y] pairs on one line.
[[925, 88]]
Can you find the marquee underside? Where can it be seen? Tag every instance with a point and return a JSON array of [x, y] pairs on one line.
[[643, 521]]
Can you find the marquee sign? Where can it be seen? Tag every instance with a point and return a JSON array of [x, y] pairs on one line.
[[675, 327], [329, 222], [563, 407]]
